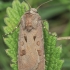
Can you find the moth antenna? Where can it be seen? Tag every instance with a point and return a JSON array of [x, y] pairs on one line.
[[12, 30], [43, 4], [28, 4]]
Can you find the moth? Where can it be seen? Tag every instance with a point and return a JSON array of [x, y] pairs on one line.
[[31, 43]]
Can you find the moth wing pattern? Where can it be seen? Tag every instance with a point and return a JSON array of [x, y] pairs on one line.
[[31, 45]]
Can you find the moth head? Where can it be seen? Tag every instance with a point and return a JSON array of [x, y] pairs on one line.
[[33, 10], [30, 20]]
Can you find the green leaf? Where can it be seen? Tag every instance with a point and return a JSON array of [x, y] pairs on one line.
[[52, 11], [14, 15], [52, 52]]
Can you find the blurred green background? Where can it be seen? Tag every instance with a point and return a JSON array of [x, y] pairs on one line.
[[56, 12]]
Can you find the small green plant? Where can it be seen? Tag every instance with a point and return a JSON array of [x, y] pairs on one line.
[[52, 53]]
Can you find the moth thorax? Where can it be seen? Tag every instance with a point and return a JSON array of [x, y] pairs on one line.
[[33, 10], [31, 19]]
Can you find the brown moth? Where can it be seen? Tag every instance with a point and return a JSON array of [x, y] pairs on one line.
[[31, 44]]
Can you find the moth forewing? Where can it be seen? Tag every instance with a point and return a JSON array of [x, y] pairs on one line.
[[31, 43]]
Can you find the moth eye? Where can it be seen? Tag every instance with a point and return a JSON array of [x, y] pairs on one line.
[[34, 37], [25, 37], [39, 52], [23, 52]]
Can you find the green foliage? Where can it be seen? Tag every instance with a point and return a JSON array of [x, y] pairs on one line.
[[66, 2], [4, 5], [13, 19], [57, 12], [67, 30], [52, 8], [52, 52]]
